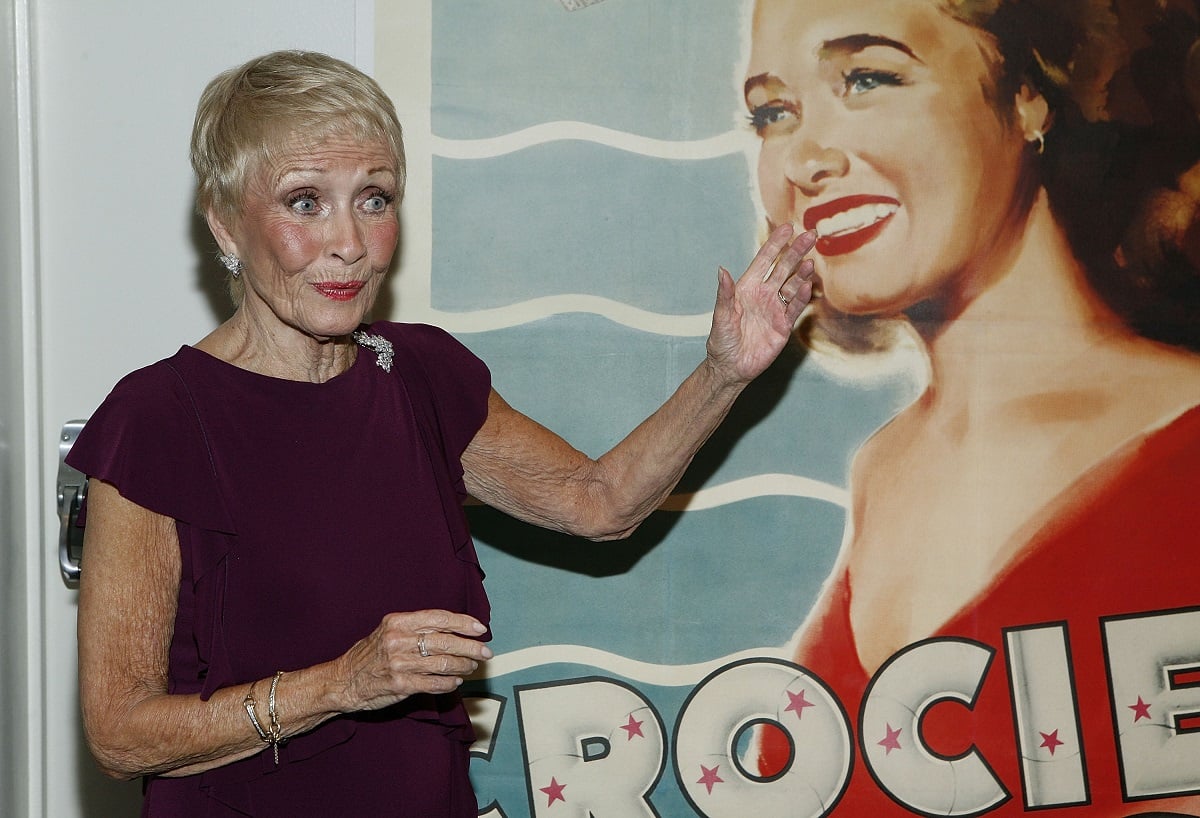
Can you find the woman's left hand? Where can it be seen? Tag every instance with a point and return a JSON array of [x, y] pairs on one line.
[[520, 467], [754, 316]]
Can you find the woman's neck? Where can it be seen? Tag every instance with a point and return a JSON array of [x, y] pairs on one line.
[[270, 347], [1024, 331]]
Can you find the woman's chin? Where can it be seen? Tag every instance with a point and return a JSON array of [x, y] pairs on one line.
[[838, 301], [323, 332], [337, 325]]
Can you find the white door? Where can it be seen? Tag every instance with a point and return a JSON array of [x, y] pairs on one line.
[[125, 272]]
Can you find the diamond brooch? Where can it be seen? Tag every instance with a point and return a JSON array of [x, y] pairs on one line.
[[381, 346]]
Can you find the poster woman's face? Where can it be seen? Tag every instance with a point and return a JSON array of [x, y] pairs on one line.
[[876, 130]]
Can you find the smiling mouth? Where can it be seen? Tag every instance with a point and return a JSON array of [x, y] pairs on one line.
[[850, 221], [846, 224]]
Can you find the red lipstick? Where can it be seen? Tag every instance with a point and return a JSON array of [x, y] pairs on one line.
[[339, 290], [848, 223]]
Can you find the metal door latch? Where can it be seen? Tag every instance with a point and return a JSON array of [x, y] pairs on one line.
[[72, 489]]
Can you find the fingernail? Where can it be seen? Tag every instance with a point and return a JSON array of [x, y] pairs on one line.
[[487, 653], [480, 627]]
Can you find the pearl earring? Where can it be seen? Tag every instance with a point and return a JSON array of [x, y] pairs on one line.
[[1040, 139]]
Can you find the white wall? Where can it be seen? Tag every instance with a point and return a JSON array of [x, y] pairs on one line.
[[15, 590], [123, 274]]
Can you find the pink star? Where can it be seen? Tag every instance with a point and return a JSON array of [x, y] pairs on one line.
[[798, 703], [1051, 741], [633, 728], [555, 791], [709, 777], [1141, 710], [891, 741]]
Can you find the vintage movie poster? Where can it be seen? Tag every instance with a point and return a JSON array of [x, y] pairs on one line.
[[941, 558]]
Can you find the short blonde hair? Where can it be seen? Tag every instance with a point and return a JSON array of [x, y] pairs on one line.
[[249, 114]]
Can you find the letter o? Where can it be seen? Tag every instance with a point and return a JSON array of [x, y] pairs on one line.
[[757, 691]]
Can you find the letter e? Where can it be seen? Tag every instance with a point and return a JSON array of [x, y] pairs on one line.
[[1155, 707]]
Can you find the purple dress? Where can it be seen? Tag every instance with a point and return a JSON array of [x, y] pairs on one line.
[[306, 512]]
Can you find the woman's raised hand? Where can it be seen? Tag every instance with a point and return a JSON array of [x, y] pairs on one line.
[[754, 316], [409, 653]]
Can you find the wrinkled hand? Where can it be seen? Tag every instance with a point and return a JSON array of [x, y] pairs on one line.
[[387, 666], [751, 321]]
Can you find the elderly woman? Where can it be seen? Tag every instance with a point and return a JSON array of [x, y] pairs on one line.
[[1018, 185], [280, 596]]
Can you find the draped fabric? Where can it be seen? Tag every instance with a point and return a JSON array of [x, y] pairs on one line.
[[306, 512]]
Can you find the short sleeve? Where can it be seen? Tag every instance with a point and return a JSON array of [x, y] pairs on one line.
[[459, 382], [146, 439]]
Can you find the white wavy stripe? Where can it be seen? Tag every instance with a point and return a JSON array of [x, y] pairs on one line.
[[632, 669], [759, 485], [525, 312], [732, 141]]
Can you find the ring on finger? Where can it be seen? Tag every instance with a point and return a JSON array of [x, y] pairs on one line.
[[424, 651], [782, 300]]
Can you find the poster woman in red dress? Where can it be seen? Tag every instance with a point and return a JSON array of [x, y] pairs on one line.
[[1016, 185]]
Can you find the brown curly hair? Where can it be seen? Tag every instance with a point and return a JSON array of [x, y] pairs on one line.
[[1121, 164], [1122, 160]]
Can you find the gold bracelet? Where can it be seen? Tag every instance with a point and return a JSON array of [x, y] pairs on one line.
[[273, 735], [276, 731], [250, 704]]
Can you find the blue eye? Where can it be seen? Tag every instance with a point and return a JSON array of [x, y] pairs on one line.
[[303, 203], [378, 202], [862, 80]]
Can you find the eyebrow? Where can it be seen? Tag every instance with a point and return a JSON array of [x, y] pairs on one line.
[[850, 44], [854, 43]]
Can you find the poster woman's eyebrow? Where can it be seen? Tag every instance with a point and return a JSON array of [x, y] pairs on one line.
[[854, 43], [850, 44], [757, 80]]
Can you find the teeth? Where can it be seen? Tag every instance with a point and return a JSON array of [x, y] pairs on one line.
[[856, 218]]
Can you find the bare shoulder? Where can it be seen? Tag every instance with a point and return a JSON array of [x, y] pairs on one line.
[[1163, 380]]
